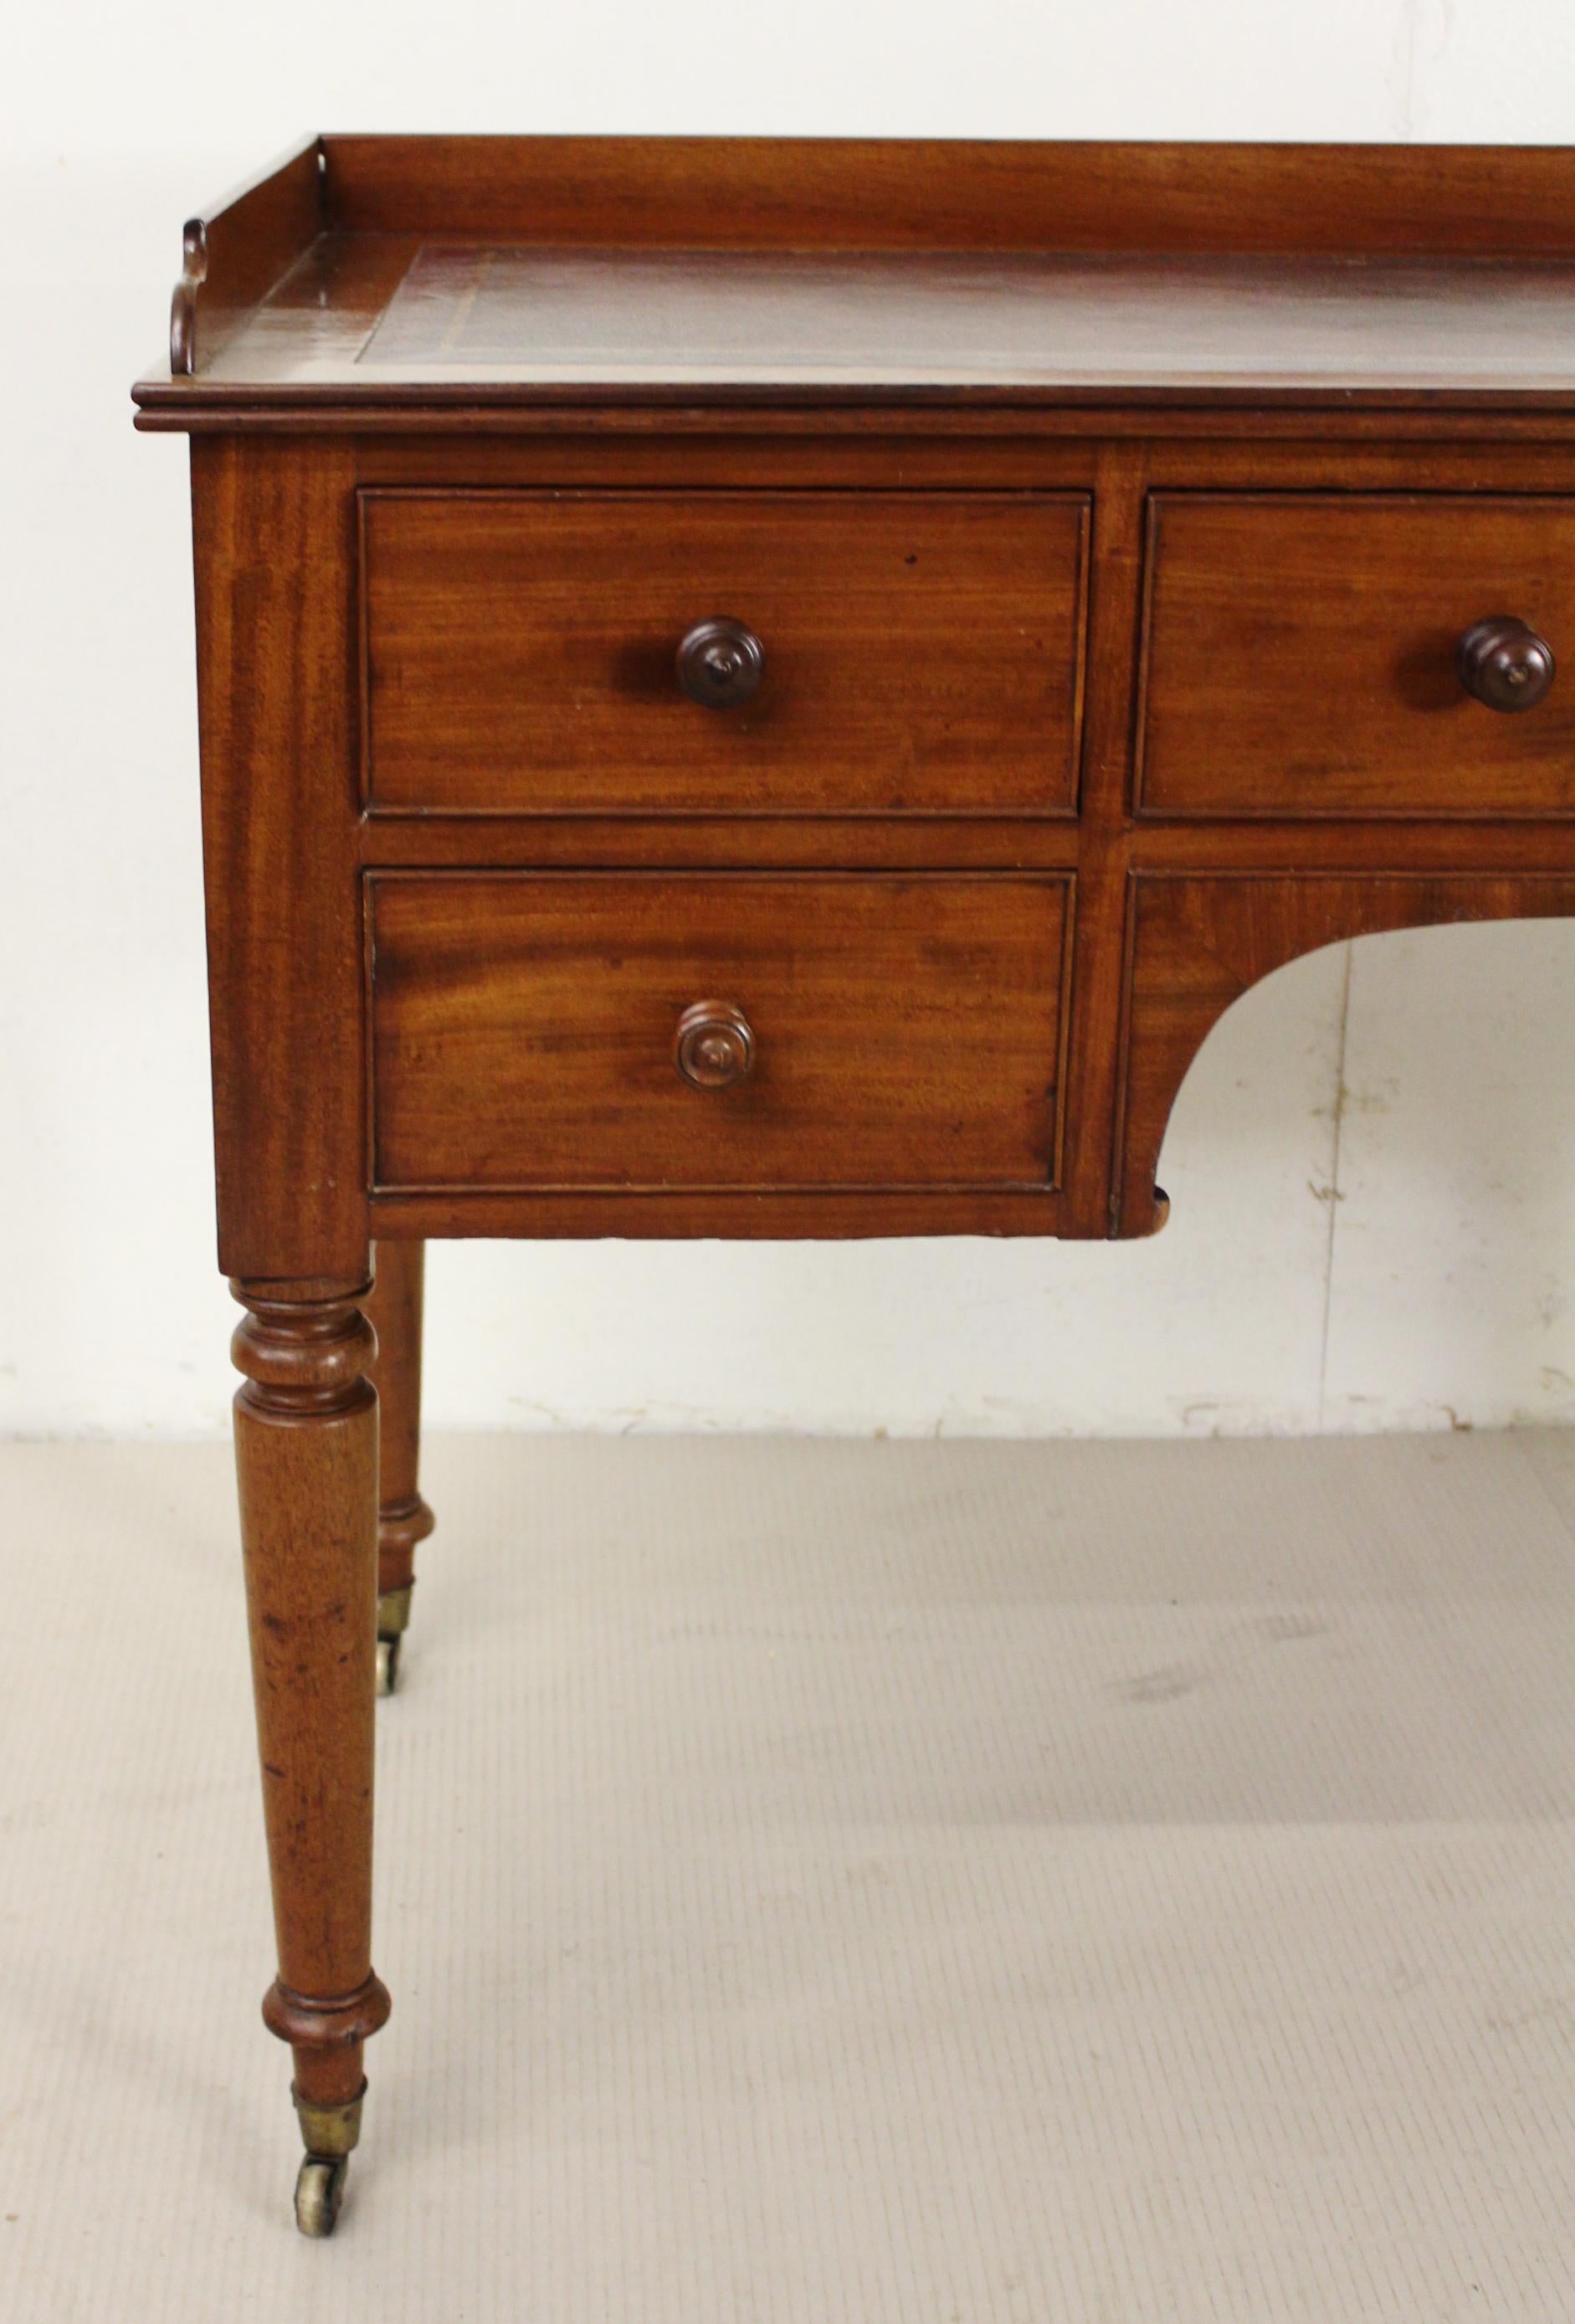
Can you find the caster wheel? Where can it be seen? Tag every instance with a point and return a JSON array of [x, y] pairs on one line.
[[388, 1665], [319, 2190]]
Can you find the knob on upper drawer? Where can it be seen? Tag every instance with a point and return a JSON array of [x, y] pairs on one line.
[[1505, 663], [721, 661], [714, 1046]]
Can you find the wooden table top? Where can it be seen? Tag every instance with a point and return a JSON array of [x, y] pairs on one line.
[[367, 273]]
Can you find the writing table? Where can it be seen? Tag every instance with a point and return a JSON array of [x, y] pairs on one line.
[[779, 688]]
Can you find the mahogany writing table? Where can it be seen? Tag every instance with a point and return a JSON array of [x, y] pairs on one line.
[[780, 688]]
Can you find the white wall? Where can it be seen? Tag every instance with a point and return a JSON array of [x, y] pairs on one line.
[[1372, 1163]]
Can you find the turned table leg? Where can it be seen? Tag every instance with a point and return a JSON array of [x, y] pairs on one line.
[[403, 1519], [306, 1452]]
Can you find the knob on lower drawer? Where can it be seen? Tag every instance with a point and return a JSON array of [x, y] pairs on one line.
[[714, 1045], [1503, 662], [721, 661]]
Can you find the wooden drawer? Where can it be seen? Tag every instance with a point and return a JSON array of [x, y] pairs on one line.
[[923, 652], [1300, 655], [903, 1031]]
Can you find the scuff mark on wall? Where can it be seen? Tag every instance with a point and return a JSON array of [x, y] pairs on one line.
[[1331, 1194], [1423, 34]]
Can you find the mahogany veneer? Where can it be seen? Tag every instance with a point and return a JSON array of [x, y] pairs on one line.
[[906, 1029], [922, 653], [1343, 615], [782, 688]]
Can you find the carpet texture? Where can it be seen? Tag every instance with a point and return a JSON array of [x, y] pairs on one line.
[[899, 1883]]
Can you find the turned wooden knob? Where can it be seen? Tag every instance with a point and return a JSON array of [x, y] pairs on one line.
[[1505, 663], [714, 1046], [721, 661]]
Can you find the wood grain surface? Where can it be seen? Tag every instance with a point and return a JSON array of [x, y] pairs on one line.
[[923, 652], [274, 534], [852, 193], [909, 1030], [394, 1308], [306, 1454], [1300, 655]]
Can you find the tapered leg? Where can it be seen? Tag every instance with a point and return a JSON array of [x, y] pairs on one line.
[[403, 1519], [306, 1454]]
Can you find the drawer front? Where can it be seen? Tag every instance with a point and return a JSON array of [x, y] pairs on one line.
[[1300, 656], [845, 1030], [922, 652]]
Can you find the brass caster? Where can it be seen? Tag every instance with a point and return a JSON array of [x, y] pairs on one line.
[[393, 1615], [319, 2190], [328, 2133], [387, 1663]]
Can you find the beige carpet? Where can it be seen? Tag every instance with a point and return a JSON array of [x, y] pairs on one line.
[[896, 1883]]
